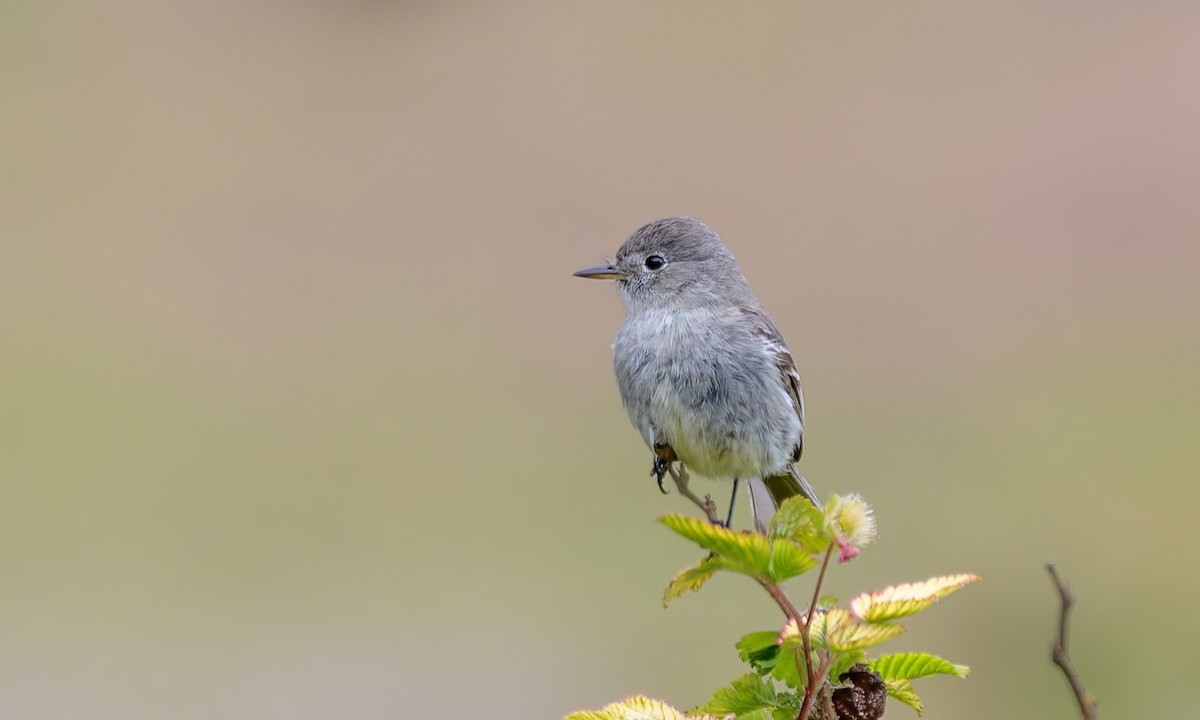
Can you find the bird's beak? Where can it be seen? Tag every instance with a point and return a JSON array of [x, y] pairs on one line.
[[601, 272]]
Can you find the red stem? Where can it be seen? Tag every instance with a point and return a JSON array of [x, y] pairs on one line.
[[815, 676]]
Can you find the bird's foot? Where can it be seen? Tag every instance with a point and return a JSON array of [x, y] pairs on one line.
[[659, 471], [709, 507]]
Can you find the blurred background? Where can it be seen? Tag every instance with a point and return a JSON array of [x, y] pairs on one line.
[[303, 415]]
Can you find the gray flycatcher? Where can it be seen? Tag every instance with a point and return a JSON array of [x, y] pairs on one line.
[[704, 372]]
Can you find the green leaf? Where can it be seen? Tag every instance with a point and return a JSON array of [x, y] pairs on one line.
[[837, 631], [760, 650], [788, 559], [743, 552], [787, 666], [746, 553], [692, 578], [902, 690], [768, 658], [909, 666], [764, 714], [823, 624], [749, 694], [638, 707], [900, 601], [797, 519], [855, 636]]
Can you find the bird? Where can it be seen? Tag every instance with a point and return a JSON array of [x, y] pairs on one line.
[[703, 371]]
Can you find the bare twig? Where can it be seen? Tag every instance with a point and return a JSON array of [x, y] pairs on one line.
[[1062, 655]]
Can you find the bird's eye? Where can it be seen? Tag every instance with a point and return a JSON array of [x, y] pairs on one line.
[[655, 262]]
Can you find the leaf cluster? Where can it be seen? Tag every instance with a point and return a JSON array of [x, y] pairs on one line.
[[793, 668]]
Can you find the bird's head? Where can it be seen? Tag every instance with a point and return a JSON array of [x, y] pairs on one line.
[[672, 261]]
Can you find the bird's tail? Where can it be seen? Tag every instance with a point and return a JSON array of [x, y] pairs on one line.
[[767, 494]]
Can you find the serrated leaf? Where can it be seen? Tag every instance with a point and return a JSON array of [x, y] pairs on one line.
[[743, 552], [787, 667], [788, 560], [746, 553], [900, 601], [836, 631], [759, 649], [759, 714], [797, 519], [692, 578], [909, 666], [823, 624], [748, 694], [902, 690], [856, 636], [638, 707]]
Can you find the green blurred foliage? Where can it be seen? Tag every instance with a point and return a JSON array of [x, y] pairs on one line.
[[302, 410]]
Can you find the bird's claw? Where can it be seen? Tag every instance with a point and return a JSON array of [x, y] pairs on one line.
[[659, 471]]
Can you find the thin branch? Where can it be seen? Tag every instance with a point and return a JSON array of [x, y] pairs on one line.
[[812, 607], [785, 603], [810, 693], [816, 678], [1062, 654]]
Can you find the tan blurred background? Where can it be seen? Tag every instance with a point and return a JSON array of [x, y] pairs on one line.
[[304, 416]]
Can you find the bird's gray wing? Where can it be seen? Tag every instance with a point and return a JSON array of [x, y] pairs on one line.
[[767, 494], [789, 376]]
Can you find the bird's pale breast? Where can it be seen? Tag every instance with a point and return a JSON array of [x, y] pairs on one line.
[[690, 376]]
